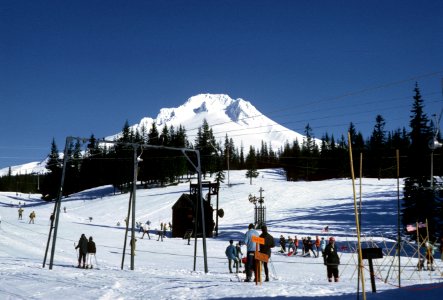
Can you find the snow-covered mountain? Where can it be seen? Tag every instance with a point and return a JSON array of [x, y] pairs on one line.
[[237, 118]]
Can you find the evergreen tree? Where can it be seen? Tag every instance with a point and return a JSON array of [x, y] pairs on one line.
[[420, 135], [419, 202], [377, 146], [51, 182], [205, 142], [251, 164]]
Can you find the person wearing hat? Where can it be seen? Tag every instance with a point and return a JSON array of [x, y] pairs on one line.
[[250, 248], [331, 260], [266, 248]]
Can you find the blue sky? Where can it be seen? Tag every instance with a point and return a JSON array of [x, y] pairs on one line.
[[83, 67]]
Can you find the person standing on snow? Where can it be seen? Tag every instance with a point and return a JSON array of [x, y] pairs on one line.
[[317, 245], [282, 244], [31, 217], [82, 247], [332, 260], [323, 246], [91, 253], [250, 246], [231, 254], [266, 248], [20, 213], [239, 253]]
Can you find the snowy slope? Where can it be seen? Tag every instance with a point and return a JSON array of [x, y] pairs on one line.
[[165, 270]]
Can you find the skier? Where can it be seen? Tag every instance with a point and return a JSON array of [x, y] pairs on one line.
[[82, 247], [282, 244], [266, 248], [31, 217], [145, 228], [291, 245], [160, 233], [231, 254], [317, 245], [91, 253], [296, 244], [331, 260], [430, 256], [20, 213], [323, 246], [309, 247], [239, 253], [250, 246]]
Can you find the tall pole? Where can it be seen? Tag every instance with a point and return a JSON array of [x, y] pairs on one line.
[[227, 162], [59, 200], [398, 217], [359, 218], [205, 259], [360, 258], [126, 230], [134, 190]]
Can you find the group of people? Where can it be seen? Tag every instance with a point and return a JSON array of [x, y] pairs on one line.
[[331, 258], [32, 215], [86, 252], [308, 245], [161, 233], [234, 253]]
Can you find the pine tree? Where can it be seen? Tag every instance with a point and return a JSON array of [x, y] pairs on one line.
[[419, 202], [51, 182], [377, 146], [251, 164]]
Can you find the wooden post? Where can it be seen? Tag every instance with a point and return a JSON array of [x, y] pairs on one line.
[[259, 257]]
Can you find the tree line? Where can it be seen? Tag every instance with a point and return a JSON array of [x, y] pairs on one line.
[[100, 164]]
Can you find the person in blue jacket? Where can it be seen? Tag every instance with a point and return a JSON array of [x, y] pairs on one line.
[[231, 254], [250, 248]]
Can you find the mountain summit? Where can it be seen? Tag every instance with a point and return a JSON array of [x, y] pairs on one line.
[[237, 118]]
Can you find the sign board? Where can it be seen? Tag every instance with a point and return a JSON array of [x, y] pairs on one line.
[[258, 240], [261, 256], [371, 253]]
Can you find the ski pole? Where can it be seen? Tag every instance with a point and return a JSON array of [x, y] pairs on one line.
[[95, 257], [273, 268], [75, 246]]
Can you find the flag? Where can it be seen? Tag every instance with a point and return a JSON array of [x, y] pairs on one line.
[[421, 225], [410, 228]]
